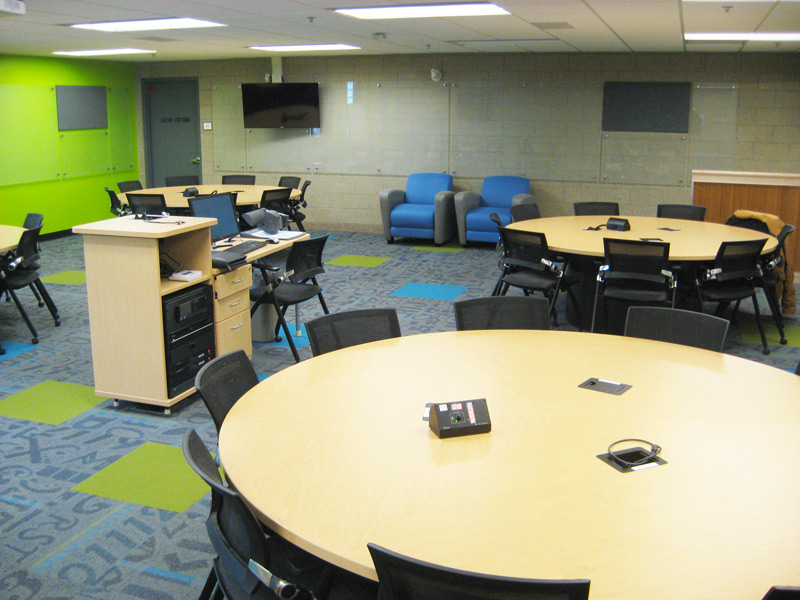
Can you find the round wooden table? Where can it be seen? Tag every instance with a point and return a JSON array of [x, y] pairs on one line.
[[247, 195], [690, 243], [333, 453], [9, 237]]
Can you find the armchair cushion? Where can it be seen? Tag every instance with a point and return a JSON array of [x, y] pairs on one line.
[[500, 190]]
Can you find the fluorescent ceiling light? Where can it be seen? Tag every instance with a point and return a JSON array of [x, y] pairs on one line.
[[148, 25], [742, 37], [305, 48], [109, 52], [427, 11]]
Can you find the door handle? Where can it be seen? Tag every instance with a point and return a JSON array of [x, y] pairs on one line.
[[196, 160]]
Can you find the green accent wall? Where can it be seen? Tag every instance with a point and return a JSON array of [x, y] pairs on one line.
[[62, 174]]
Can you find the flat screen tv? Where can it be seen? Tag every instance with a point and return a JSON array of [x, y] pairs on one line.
[[280, 105]]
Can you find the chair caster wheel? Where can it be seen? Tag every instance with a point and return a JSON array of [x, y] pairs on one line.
[[784, 342], [765, 351], [58, 322], [41, 304], [35, 341], [277, 339]]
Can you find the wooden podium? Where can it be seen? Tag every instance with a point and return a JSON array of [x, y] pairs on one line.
[[125, 291], [725, 192]]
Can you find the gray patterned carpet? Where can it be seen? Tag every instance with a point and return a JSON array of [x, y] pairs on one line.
[[58, 543]]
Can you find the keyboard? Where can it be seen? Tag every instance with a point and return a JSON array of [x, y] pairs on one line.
[[248, 246]]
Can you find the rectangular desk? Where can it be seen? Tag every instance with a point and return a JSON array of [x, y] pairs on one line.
[[125, 291]]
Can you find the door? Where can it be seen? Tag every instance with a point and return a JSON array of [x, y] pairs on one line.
[[171, 112]]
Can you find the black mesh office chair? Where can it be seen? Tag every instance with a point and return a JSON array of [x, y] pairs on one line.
[[222, 381], [595, 208], [249, 564], [502, 312], [238, 180], [129, 186], [677, 326], [149, 204], [296, 284], [279, 200], [350, 328], [636, 272], [405, 578], [733, 278], [528, 264], [117, 208], [688, 212], [20, 269], [772, 265], [289, 181], [177, 180], [524, 212]]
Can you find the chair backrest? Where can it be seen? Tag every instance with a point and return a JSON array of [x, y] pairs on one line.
[[305, 258], [151, 204], [28, 249], [688, 212], [276, 199], [116, 204], [686, 327], [350, 328], [303, 189], [289, 181], [405, 578], [234, 532], [176, 180], [778, 592], [524, 212], [129, 186], [238, 179], [636, 257], [499, 190], [33, 220], [502, 312], [421, 188], [737, 260], [595, 208], [222, 381], [523, 248]]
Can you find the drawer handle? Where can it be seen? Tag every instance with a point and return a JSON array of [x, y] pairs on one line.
[[236, 303], [237, 326], [240, 280]]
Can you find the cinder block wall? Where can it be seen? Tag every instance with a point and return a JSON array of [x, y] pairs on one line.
[[766, 134]]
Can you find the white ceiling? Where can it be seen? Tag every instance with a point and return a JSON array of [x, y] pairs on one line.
[[533, 26]]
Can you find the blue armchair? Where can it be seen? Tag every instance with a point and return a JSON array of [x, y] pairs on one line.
[[423, 210], [473, 211]]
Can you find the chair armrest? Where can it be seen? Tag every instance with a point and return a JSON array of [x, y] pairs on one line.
[[444, 217], [465, 202], [388, 200], [522, 199]]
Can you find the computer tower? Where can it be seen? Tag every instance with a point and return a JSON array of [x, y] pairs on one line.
[[188, 335]]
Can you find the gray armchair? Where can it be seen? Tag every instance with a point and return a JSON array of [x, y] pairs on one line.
[[424, 209], [498, 194]]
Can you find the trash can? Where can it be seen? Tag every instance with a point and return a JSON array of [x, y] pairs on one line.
[[263, 323]]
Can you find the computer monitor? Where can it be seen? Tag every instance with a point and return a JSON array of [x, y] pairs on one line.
[[220, 207]]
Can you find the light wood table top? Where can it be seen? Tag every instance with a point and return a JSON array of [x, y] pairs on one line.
[[247, 195], [333, 453], [694, 240], [9, 237]]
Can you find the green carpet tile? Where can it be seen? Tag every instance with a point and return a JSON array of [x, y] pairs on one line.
[[50, 402], [750, 333], [448, 248], [155, 475], [354, 260], [67, 277]]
